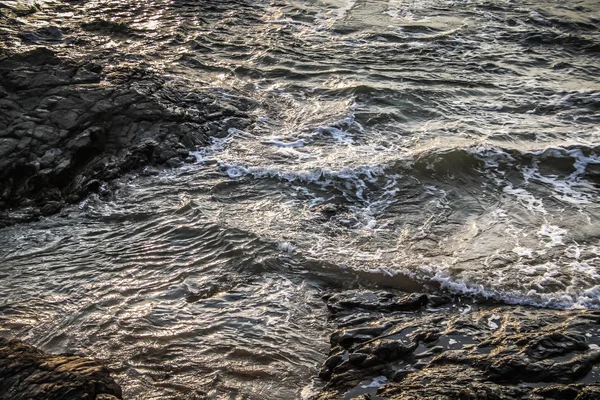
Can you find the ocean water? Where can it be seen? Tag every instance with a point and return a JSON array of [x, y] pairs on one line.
[[436, 145]]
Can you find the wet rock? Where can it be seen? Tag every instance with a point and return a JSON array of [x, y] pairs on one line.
[[107, 27], [593, 172], [374, 300], [456, 352], [69, 126], [51, 207], [46, 34], [28, 373], [7, 146], [330, 210]]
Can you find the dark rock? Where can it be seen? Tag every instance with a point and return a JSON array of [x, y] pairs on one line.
[[489, 352], [346, 337], [330, 210], [46, 34], [374, 300], [7, 146], [28, 373], [107, 27], [67, 125], [51, 207], [387, 349]]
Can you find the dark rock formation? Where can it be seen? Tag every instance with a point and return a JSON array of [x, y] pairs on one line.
[[353, 300], [390, 346], [67, 126], [28, 373]]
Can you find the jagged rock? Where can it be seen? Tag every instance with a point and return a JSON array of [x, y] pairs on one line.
[[458, 352], [29, 373], [371, 300], [66, 125]]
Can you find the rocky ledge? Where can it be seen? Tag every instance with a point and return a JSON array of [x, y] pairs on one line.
[[28, 373], [69, 126], [399, 346]]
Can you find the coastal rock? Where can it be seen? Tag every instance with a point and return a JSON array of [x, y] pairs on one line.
[[374, 300], [29, 373], [459, 351], [68, 126]]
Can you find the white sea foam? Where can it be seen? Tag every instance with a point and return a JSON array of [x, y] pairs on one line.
[[530, 202], [569, 298], [552, 232], [328, 19], [523, 251], [553, 300], [278, 142], [573, 252], [311, 390], [572, 189], [323, 176], [493, 322], [217, 145], [286, 247], [377, 382], [336, 160]]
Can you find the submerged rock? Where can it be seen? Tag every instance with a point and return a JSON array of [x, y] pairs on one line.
[[459, 352], [29, 373]]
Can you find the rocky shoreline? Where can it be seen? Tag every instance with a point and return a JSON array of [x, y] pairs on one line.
[[29, 373], [68, 127], [73, 118], [392, 346], [414, 346]]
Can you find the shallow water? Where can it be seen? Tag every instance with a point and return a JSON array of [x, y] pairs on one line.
[[444, 145]]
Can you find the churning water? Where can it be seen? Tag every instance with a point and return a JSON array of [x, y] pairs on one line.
[[434, 144]]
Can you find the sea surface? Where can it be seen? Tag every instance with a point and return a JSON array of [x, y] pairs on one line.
[[436, 145]]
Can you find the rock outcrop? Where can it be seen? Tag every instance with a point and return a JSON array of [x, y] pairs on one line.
[[390, 346], [67, 127], [28, 373]]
